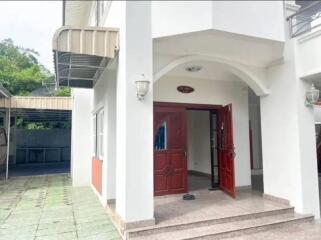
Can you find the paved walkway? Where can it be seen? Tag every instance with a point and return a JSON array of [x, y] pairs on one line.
[[47, 207]]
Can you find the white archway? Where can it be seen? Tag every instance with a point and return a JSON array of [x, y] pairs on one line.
[[248, 76]]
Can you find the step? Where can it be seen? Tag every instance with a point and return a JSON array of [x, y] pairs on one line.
[[211, 221], [229, 229]]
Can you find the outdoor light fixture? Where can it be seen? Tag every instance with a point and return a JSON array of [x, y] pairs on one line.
[[142, 87], [312, 96]]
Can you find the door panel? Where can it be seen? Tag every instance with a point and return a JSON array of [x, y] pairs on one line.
[[226, 151], [170, 164]]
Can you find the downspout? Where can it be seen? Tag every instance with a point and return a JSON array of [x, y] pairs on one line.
[[8, 139], [63, 12]]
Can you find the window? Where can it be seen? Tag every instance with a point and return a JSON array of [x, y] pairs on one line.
[[100, 134], [95, 135], [98, 126], [161, 138]]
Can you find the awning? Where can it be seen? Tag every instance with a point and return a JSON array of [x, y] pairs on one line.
[[82, 53]]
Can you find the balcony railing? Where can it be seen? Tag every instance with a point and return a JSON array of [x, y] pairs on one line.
[[305, 19]]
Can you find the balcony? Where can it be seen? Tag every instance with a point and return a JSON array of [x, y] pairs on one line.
[[305, 20]]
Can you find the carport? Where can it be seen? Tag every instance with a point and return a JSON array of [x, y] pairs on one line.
[[43, 148]]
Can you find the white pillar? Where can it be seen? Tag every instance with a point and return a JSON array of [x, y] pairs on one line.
[[288, 138], [134, 136], [81, 137]]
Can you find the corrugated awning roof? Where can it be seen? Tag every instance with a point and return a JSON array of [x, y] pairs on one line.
[[40, 103], [82, 53]]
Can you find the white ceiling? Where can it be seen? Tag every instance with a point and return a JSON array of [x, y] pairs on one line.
[[209, 70], [242, 49]]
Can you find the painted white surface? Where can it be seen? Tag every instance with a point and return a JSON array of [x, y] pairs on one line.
[[253, 77], [262, 19], [105, 98], [309, 53], [134, 165], [177, 17], [287, 125], [198, 141], [81, 137], [221, 93], [288, 138]]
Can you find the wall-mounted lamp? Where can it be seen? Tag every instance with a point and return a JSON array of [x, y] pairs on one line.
[[312, 96], [142, 87]]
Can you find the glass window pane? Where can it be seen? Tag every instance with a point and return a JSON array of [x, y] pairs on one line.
[[95, 136], [161, 138]]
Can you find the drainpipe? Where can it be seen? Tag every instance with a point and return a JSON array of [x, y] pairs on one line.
[[8, 139], [63, 12]]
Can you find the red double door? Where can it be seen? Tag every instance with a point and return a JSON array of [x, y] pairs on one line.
[[170, 150]]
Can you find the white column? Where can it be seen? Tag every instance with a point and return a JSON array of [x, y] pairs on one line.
[[81, 137], [134, 136], [288, 138]]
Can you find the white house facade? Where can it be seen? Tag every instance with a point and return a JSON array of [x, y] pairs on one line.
[[164, 90]]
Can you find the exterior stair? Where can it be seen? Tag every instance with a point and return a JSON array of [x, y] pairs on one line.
[[221, 228]]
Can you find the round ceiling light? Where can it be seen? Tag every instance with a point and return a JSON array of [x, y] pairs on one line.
[[193, 68]]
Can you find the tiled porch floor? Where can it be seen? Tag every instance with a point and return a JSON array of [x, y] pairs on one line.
[[171, 210], [47, 207]]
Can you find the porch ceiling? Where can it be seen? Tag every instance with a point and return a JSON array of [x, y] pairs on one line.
[[209, 70], [81, 54], [237, 48]]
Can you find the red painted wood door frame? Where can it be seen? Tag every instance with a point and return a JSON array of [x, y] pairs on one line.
[[170, 164], [226, 151]]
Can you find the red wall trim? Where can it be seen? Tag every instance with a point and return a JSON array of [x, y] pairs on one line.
[[96, 174]]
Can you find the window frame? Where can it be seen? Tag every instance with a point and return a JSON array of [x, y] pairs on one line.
[[95, 135], [100, 134]]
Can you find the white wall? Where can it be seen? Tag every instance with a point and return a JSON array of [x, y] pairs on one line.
[[81, 137], [134, 168], [221, 93], [177, 17], [309, 53], [105, 99], [262, 19], [288, 138], [198, 141]]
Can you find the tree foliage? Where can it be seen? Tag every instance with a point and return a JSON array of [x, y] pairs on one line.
[[21, 123], [20, 71], [63, 92]]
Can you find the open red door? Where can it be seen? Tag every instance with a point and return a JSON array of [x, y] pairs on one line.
[[226, 151]]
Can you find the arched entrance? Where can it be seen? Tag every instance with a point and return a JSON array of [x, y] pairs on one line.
[[216, 83]]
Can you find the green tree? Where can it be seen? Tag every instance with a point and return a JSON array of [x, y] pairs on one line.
[[20, 71], [63, 92]]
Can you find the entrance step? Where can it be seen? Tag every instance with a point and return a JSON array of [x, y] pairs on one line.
[[221, 227]]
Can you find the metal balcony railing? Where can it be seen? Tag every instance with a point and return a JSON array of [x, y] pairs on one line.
[[305, 19]]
